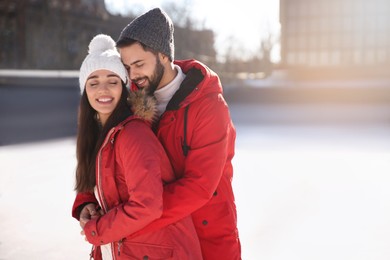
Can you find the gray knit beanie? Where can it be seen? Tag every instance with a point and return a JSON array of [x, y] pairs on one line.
[[154, 29]]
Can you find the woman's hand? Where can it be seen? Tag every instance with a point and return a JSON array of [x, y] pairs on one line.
[[90, 211]]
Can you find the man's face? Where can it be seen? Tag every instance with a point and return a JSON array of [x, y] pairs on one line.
[[144, 67]]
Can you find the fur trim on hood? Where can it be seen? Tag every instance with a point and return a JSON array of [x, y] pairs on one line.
[[143, 105]]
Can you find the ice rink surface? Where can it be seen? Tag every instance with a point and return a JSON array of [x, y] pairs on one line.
[[302, 193]]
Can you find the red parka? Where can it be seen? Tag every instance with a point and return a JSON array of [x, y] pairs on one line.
[[131, 168], [204, 174]]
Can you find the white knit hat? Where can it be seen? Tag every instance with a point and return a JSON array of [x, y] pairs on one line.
[[102, 55]]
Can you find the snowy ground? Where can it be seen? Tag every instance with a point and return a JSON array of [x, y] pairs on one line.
[[303, 193]]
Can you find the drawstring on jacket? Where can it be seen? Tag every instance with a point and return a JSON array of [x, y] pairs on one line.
[[185, 146]]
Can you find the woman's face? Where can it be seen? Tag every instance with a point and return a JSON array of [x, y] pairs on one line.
[[103, 89]]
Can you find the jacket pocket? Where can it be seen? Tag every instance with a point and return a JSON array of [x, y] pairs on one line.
[[214, 221], [146, 251]]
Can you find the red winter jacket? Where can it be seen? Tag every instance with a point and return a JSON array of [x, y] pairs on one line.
[[131, 165], [204, 185]]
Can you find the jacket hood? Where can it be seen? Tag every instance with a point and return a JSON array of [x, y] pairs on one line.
[[143, 105], [199, 82], [199, 77]]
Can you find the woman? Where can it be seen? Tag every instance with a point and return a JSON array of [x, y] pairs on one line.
[[121, 167]]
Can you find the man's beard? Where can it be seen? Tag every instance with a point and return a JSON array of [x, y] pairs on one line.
[[155, 78]]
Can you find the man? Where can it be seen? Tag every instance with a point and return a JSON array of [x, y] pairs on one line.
[[194, 127]]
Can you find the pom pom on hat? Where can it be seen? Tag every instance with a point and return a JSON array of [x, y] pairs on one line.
[[101, 43], [102, 55]]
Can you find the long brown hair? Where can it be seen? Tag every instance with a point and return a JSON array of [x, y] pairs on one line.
[[91, 135]]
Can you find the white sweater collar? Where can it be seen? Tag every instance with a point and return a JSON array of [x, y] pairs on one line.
[[164, 94]]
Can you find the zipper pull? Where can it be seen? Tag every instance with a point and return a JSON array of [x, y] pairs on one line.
[[92, 253], [119, 247]]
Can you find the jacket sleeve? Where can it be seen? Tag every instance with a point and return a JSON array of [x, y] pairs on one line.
[[137, 151], [204, 164], [82, 199]]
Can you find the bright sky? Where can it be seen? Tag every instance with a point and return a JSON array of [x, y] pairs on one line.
[[241, 24]]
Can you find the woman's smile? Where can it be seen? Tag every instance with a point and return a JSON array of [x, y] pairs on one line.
[[105, 100]]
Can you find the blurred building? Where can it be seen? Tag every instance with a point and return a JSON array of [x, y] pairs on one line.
[[336, 37], [51, 34], [54, 34], [332, 52]]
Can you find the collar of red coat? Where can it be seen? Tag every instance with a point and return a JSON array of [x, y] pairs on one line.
[[199, 81]]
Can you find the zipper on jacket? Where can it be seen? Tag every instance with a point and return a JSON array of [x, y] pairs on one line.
[[119, 246], [99, 179], [99, 185], [111, 152]]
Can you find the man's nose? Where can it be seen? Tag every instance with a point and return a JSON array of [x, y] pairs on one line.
[[133, 74]]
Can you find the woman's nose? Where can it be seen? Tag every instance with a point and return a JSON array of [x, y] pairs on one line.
[[103, 87]]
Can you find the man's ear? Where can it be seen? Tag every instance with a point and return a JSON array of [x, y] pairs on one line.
[[163, 58]]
